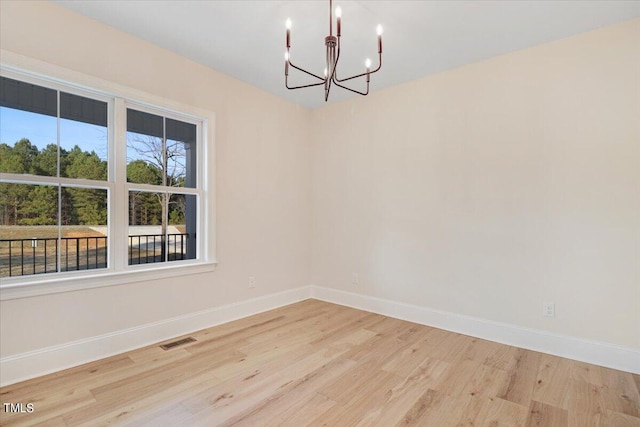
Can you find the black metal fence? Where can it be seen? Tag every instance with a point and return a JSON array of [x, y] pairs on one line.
[[148, 248], [19, 257]]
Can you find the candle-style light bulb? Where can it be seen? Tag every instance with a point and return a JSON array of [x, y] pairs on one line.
[[288, 26], [367, 63], [286, 63], [339, 16], [325, 72], [379, 31]]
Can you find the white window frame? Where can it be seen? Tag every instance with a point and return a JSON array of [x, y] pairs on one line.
[[119, 98]]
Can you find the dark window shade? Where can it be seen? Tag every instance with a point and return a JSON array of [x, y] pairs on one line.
[[42, 100], [144, 123], [81, 109], [150, 124], [28, 97], [181, 131]]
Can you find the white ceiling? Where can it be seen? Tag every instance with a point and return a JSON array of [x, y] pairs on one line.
[[246, 39]]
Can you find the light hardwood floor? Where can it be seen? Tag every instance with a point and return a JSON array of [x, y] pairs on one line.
[[320, 364]]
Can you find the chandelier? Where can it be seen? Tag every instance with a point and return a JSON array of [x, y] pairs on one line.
[[332, 57]]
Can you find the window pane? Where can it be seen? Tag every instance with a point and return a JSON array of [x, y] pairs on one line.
[[83, 245], [142, 167], [144, 123], [160, 151], [28, 142], [145, 161], [146, 231], [84, 110], [181, 154], [28, 97], [28, 230], [28, 128], [159, 235], [83, 152], [29, 132], [176, 164], [83, 137], [182, 227]]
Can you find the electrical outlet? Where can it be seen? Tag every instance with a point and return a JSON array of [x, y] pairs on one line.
[[252, 282], [354, 278], [548, 309]]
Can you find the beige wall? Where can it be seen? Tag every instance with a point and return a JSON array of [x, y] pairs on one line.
[[262, 182], [492, 188]]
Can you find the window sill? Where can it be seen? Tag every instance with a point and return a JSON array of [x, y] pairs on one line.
[[81, 281]]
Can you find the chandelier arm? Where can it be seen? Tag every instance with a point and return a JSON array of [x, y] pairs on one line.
[[286, 83], [353, 90], [305, 71], [363, 74]]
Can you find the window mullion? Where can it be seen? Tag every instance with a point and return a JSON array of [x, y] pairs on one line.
[[58, 173], [165, 198], [118, 204]]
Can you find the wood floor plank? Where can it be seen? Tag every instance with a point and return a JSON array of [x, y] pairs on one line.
[[305, 412], [127, 399], [162, 416], [388, 326], [499, 412], [552, 383], [487, 381], [378, 349], [522, 377], [360, 400], [543, 415], [49, 405], [402, 397], [469, 408], [336, 330], [432, 409], [218, 405], [415, 333], [586, 405], [450, 347], [502, 357], [620, 394], [407, 358], [51, 422], [320, 364], [83, 377], [280, 406], [616, 419], [456, 379], [478, 349]]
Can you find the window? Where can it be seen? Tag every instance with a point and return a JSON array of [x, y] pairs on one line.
[[161, 153], [72, 178], [53, 206]]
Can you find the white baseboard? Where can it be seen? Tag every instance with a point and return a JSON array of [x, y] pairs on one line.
[[33, 364], [598, 353]]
